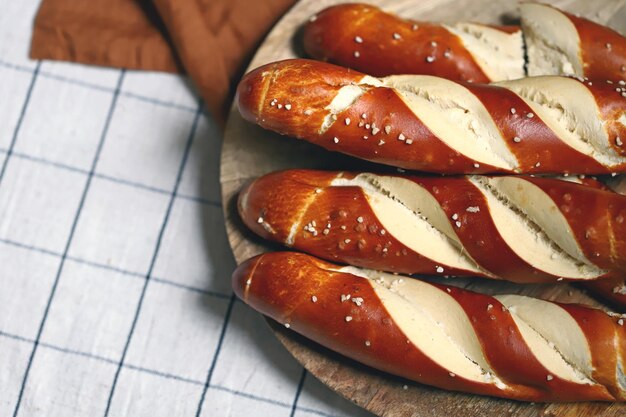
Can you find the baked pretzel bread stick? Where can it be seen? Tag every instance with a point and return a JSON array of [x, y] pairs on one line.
[[506, 346], [533, 125], [366, 38], [519, 228]]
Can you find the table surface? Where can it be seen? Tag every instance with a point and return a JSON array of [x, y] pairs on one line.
[[115, 294]]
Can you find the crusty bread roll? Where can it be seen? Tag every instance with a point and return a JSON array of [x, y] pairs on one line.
[[521, 229], [507, 346], [560, 43], [533, 125], [365, 38]]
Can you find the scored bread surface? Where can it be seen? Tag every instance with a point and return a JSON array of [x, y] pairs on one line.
[[554, 42], [534, 125], [441, 335], [542, 230], [366, 38]]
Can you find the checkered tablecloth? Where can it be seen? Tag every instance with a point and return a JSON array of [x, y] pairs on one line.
[[115, 295]]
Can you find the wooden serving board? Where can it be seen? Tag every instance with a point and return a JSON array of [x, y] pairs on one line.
[[249, 151]]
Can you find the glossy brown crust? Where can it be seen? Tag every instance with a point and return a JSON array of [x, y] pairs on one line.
[[603, 50], [612, 290], [602, 336], [498, 333], [338, 224], [612, 105], [300, 85], [282, 199], [538, 142], [383, 107], [330, 36], [477, 231], [309, 86], [282, 284], [291, 98], [597, 218]]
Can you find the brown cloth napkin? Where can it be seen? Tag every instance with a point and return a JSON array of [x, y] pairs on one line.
[[209, 39]]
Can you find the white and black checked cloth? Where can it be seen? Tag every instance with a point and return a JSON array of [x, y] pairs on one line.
[[115, 295]]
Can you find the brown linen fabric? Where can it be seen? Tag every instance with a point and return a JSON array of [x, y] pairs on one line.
[[209, 39], [116, 33], [214, 38]]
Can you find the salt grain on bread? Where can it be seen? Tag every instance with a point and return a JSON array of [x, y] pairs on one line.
[[452, 226], [560, 125], [387, 45], [521, 348], [557, 43]]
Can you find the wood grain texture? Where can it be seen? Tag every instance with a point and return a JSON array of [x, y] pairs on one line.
[[249, 151]]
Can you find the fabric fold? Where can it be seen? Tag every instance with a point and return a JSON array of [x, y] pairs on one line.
[[211, 40]]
